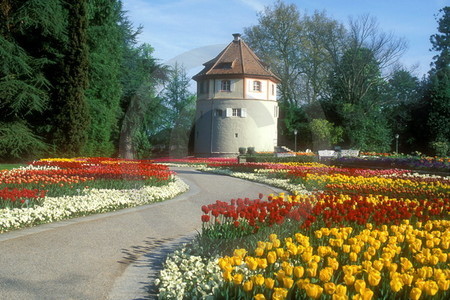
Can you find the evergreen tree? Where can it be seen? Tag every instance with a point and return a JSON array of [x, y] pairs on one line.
[[438, 94], [104, 38], [28, 30], [72, 114], [178, 111]]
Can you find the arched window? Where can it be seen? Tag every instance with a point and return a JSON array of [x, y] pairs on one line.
[[225, 85], [257, 86]]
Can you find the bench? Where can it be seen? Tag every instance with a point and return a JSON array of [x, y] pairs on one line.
[[337, 154]]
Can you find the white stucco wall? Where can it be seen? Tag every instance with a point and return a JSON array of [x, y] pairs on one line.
[[223, 134]]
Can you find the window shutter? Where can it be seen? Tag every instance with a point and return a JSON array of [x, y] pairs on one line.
[[228, 112], [243, 112]]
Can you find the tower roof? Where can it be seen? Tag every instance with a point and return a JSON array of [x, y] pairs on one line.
[[236, 60]]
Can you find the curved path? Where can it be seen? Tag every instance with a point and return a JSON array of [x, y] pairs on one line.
[[87, 258]]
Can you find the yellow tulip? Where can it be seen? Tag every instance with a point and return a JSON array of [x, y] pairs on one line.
[[333, 263], [259, 251], [396, 284], [443, 284], [280, 275], [279, 293], [240, 252], [238, 278], [258, 279], [353, 256], [349, 279], [415, 293], [339, 297], [431, 287], [288, 282], [346, 248], [318, 234], [299, 271], [271, 257], [288, 269], [247, 285], [366, 294], [378, 265], [325, 274], [374, 277], [276, 243], [262, 263], [269, 283], [330, 288], [280, 252], [259, 297], [273, 237], [407, 279], [313, 291], [359, 285], [226, 275], [251, 262], [311, 272], [301, 283]]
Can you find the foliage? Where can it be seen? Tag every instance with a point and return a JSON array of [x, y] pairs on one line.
[[325, 134], [72, 115], [439, 88], [178, 111]]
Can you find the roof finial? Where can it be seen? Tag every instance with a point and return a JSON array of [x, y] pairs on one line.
[[237, 36]]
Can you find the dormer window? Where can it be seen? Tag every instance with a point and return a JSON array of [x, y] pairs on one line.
[[224, 65], [225, 86], [257, 86]]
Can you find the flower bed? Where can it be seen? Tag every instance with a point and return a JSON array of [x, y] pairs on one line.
[[354, 234], [54, 189]]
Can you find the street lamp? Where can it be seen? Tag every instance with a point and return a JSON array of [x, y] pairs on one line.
[[295, 140], [396, 142]]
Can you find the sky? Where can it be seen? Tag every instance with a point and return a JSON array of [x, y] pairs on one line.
[[192, 32]]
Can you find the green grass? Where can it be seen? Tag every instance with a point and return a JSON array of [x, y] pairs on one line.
[[10, 166]]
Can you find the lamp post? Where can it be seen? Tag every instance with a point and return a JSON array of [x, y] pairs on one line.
[[295, 140], [396, 143]]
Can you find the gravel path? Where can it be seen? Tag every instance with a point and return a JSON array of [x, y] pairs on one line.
[[110, 256]]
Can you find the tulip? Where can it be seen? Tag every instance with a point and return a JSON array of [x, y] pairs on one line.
[[259, 251], [349, 279], [258, 280], [226, 275], [271, 257], [313, 291], [288, 282], [262, 263], [269, 283], [374, 277], [415, 293], [251, 262], [443, 284], [396, 284], [238, 278], [279, 293], [299, 271], [326, 274], [360, 285], [247, 285], [431, 287], [330, 288], [259, 297]]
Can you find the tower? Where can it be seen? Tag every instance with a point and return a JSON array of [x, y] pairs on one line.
[[236, 103]]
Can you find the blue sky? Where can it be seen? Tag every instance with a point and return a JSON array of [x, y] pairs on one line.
[[194, 31]]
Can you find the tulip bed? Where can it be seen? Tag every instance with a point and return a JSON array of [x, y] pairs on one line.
[[345, 234], [53, 189]]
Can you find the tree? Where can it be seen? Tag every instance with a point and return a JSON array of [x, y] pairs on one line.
[[72, 114], [438, 94], [104, 39], [178, 112], [277, 41], [140, 76], [29, 33], [325, 134]]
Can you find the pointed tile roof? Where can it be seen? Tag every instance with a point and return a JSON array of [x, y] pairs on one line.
[[236, 60]]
